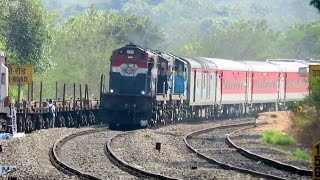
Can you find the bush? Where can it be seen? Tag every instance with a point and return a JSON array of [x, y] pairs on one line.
[[307, 123], [306, 126], [301, 155], [275, 137]]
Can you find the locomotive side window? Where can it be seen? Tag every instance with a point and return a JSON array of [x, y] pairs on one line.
[[163, 69]]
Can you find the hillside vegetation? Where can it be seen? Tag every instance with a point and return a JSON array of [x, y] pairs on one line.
[[71, 41], [183, 18]]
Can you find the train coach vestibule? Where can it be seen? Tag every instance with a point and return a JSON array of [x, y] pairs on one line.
[[162, 78]]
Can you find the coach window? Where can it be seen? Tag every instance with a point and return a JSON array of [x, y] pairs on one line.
[[233, 83], [203, 80], [3, 78]]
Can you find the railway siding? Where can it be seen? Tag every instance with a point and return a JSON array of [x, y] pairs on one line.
[[210, 144], [174, 159], [253, 147]]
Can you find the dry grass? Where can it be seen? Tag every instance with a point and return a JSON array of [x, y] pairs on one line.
[[277, 121], [303, 127]]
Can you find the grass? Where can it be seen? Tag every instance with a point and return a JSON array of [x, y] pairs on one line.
[[301, 155], [275, 137]]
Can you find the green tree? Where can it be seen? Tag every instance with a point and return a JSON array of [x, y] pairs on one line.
[[301, 41], [4, 4], [242, 40], [315, 3], [84, 45], [29, 33]]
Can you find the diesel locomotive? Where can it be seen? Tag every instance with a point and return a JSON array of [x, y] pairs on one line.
[[148, 87]]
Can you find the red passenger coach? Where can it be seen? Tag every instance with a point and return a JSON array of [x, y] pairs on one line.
[[295, 87], [263, 82], [295, 83], [233, 82], [231, 86]]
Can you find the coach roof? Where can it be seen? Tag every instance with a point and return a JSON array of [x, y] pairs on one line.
[[261, 66], [289, 66], [225, 64]]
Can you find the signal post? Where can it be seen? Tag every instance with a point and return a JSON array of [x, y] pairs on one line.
[[316, 161]]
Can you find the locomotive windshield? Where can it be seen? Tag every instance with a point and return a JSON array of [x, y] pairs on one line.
[[128, 74]]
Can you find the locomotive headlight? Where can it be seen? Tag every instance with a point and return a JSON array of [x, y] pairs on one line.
[[111, 90], [142, 92]]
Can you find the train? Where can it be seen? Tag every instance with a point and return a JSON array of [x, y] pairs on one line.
[[30, 115], [5, 109], [149, 87]]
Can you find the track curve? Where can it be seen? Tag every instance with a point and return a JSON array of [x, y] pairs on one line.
[[72, 171], [129, 168], [63, 166], [227, 165], [269, 161]]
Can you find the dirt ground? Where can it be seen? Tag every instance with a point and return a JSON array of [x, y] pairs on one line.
[[279, 121]]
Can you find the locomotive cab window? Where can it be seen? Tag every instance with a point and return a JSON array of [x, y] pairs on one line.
[[130, 51]]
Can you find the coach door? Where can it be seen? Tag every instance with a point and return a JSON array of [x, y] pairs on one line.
[[281, 87]]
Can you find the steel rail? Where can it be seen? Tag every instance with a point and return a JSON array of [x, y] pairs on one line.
[[129, 168], [64, 167], [272, 162], [221, 164]]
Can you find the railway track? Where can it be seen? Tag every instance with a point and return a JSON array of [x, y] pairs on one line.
[[66, 151], [62, 166], [272, 162], [211, 145], [174, 159], [129, 168], [82, 155]]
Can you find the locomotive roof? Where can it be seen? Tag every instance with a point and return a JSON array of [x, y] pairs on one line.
[[225, 64], [131, 45], [261, 66]]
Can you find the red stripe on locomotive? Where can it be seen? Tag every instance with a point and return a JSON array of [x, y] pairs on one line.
[[139, 58]]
